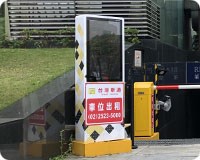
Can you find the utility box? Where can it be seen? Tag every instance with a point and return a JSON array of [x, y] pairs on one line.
[[143, 109]]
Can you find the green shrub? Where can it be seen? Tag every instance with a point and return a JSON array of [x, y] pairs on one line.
[[65, 152], [40, 39], [46, 39], [131, 35]]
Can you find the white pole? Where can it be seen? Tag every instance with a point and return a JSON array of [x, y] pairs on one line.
[[189, 86], [175, 87]]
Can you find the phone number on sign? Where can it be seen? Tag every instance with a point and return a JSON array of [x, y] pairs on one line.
[[104, 115]]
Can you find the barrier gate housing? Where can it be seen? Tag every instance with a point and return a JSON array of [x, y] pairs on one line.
[[144, 107], [144, 111]]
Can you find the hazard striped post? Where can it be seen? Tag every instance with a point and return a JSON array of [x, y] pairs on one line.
[[156, 112], [175, 87]]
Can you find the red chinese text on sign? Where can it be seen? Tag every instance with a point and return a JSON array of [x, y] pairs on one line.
[[105, 110], [104, 104]]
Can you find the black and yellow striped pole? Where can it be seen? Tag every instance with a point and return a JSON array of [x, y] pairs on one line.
[[144, 76], [156, 112]]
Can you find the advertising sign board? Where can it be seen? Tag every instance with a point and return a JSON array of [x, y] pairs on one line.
[[104, 103], [38, 117]]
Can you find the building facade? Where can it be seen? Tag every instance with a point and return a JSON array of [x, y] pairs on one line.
[[179, 21], [54, 15], [172, 21]]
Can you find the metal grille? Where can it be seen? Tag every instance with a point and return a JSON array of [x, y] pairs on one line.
[[38, 15], [169, 142], [54, 15]]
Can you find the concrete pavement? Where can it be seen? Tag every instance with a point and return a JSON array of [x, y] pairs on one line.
[[182, 150], [173, 149]]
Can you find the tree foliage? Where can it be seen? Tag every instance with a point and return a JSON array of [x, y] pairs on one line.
[[132, 35]]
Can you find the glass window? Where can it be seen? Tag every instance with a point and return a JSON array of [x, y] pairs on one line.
[[172, 21], [104, 50]]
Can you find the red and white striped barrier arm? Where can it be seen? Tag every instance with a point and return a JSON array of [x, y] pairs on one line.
[[176, 87]]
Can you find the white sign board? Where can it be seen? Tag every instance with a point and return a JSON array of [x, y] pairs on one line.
[[104, 103]]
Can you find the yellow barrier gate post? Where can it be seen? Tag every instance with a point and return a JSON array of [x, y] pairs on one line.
[[144, 111]]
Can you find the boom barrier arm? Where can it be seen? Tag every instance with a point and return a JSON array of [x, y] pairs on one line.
[[175, 87]]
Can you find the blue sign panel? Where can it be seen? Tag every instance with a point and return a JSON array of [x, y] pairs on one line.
[[176, 73], [193, 72]]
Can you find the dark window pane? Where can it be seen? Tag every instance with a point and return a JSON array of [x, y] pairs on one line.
[[104, 50]]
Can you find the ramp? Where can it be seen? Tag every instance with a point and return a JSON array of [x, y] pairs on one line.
[[32, 102]]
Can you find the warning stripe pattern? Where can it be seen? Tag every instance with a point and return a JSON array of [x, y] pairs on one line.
[[54, 117], [156, 112], [87, 133], [84, 133]]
